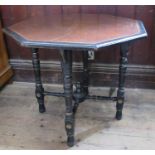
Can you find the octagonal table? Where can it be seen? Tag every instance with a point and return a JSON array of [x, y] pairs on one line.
[[76, 32]]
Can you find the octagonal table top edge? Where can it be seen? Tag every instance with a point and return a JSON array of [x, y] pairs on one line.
[[71, 45]]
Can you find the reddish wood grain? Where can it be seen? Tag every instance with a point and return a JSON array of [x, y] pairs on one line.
[[141, 53], [5, 15], [109, 54], [88, 9], [18, 13], [53, 9], [107, 9], [36, 10], [71, 9], [126, 11]]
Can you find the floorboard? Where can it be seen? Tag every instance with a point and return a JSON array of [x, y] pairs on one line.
[[23, 127]]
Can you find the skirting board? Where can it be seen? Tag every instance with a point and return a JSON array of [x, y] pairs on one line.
[[138, 76], [5, 75]]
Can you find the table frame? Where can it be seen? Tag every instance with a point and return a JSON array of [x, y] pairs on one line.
[[81, 93], [72, 99]]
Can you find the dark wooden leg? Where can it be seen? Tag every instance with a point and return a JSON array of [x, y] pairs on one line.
[[82, 87], [68, 90], [85, 71], [39, 88], [122, 74]]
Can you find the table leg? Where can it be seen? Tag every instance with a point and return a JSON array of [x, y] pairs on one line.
[[82, 87], [122, 74], [68, 90], [85, 71], [39, 88]]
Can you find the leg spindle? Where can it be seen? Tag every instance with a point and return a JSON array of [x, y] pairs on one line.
[[68, 90], [122, 74], [39, 88], [82, 87]]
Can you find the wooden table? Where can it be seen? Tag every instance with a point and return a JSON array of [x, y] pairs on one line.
[[73, 33]]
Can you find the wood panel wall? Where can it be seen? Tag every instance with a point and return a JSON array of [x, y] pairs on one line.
[[141, 72]]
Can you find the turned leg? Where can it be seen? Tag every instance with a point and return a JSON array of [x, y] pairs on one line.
[[122, 74], [39, 88], [68, 90], [82, 87], [85, 71]]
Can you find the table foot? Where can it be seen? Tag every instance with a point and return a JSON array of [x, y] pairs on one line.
[[118, 115], [42, 108], [70, 141], [40, 98]]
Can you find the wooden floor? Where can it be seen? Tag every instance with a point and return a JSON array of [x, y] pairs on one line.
[[23, 127]]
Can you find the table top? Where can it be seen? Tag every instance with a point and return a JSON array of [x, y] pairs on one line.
[[75, 31]]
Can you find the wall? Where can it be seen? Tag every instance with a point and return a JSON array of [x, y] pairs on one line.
[[104, 70]]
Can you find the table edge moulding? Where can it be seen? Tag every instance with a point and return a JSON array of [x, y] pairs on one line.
[[23, 41]]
